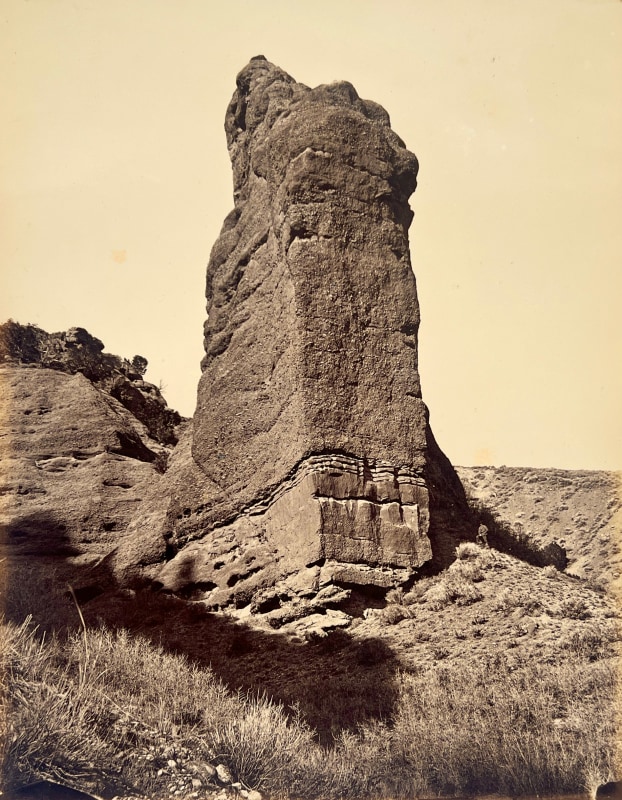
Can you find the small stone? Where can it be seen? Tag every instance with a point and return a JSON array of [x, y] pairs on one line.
[[254, 795], [208, 770], [223, 774], [196, 783], [171, 763], [160, 773], [236, 786]]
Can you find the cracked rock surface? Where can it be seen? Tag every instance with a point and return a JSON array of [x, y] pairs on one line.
[[310, 445]]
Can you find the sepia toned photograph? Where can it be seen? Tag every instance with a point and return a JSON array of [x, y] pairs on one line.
[[310, 400]]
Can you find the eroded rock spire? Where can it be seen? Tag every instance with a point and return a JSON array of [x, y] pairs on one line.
[[311, 447]]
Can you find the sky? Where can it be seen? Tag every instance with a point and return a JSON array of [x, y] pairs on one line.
[[115, 180]]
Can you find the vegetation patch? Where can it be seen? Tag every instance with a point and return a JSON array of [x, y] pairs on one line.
[[111, 712]]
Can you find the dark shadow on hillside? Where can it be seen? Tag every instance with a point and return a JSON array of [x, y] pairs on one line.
[[501, 536], [38, 534], [335, 682], [35, 567]]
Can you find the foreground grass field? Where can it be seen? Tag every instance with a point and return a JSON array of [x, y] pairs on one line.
[[117, 713]]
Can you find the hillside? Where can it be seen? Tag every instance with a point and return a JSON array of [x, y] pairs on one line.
[[580, 510], [294, 595], [472, 634]]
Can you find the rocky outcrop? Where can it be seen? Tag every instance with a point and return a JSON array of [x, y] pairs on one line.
[[75, 463], [76, 351], [311, 452]]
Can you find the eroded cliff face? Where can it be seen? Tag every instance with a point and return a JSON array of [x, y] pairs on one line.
[[311, 448], [76, 351], [76, 463]]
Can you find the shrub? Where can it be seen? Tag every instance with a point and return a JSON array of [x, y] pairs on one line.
[[467, 571], [463, 593], [455, 587], [418, 591], [395, 596], [393, 614], [410, 598], [438, 597], [468, 550], [589, 644], [574, 608], [452, 588], [508, 600]]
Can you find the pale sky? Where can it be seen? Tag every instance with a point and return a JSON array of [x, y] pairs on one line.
[[115, 180]]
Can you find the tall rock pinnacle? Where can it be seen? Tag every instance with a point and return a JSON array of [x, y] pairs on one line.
[[311, 438]]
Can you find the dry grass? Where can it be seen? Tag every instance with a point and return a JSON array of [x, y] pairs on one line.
[[106, 710]]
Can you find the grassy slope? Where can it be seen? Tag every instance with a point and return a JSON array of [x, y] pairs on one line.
[[493, 676], [580, 510]]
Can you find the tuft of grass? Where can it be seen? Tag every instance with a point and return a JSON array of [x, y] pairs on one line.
[[84, 710], [468, 550], [550, 571], [262, 745], [528, 731], [49, 714], [83, 715]]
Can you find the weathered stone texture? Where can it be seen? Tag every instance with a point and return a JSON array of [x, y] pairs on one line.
[[76, 462], [311, 442], [76, 351], [311, 340]]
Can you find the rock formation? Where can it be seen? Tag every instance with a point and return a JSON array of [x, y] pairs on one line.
[[311, 461], [75, 461], [76, 351], [309, 470]]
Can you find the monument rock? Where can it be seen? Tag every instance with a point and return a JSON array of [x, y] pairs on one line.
[[311, 461]]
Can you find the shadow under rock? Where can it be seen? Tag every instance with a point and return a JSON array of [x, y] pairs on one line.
[[35, 568], [335, 683]]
